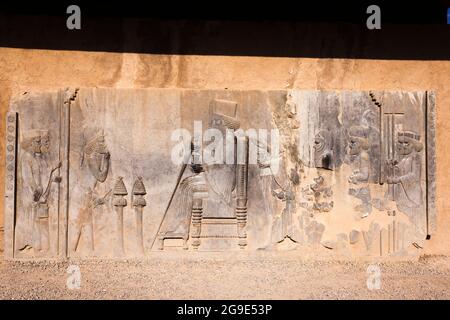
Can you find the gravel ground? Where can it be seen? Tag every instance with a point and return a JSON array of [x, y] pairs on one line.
[[203, 278]]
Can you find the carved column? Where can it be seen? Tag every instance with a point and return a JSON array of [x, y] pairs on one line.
[[119, 203], [242, 178], [139, 203]]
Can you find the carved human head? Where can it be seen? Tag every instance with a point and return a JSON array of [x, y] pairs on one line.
[[95, 142], [223, 125], [322, 140], [407, 142], [357, 140], [45, 141], [36, 141], [96, 154], [368, 118]]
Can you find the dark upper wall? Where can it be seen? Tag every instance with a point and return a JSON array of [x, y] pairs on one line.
[[319, 31]]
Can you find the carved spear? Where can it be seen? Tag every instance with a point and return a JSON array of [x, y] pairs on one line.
[[188, 155]]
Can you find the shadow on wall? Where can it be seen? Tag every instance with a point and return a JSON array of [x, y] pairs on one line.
[[291, 34]]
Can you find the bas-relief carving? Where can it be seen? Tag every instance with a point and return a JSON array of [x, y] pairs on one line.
[[318, 197], [119, 202], [10, 182], [138, 202], [358, 147], [385, 165], [33, 206], [404, 176], [283, 225], [37, 177], [351, 175], [214, 195], [95, 163]]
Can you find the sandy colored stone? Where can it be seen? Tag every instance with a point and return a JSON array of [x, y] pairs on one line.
[[30, 70], [354, 236]]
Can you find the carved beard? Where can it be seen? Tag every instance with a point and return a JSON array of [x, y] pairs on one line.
[[36, 147], [45, 145], [404, 151], [99, 166], [412, 147]]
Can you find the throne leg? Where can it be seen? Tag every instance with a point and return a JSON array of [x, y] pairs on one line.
[[160, 242], [241, 216], [197, 211]]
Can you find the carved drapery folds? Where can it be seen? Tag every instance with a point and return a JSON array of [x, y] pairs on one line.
[[216, 193], [94, 172]]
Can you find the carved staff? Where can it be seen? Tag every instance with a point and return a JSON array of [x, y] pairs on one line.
[[119, 202], [139, 203], [46, 193], [188, 155], [380, 116], [394, 175], [69, 98], [392, 153]]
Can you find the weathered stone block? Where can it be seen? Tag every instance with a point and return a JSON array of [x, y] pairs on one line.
[[121, 172]]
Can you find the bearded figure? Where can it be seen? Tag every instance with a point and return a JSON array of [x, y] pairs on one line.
[[96, 158], [218, 186], [358, 147], [220, 174], [368, 122], [404, 176], [37, 177]]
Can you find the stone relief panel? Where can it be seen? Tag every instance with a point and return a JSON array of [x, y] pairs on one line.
[[380, 162], [214, 195], [101, 172], [36, 222], [121, 173]]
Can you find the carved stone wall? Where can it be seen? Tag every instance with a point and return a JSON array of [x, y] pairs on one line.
[[91, 172]]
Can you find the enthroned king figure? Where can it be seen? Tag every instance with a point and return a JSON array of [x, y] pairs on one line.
[[216, 190]]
